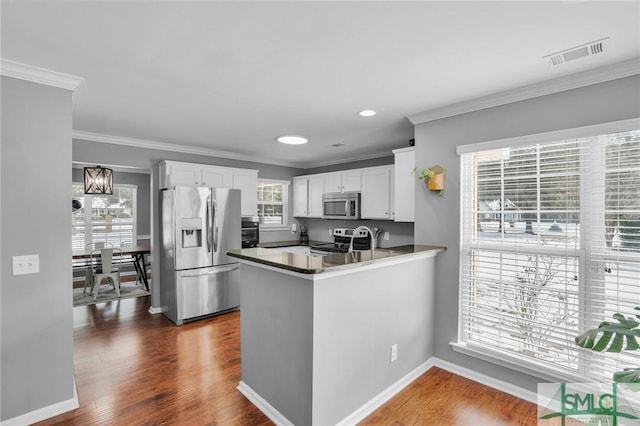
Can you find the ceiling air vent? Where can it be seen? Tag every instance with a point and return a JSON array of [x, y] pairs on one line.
[[576, 52]]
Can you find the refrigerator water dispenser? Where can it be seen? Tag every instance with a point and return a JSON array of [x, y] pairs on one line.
[[191, 232]]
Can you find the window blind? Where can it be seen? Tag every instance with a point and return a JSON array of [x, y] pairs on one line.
[[550, 247]]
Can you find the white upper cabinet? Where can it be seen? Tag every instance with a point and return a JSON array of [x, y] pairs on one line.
[[404, 185], [346, 181], [174, 173], [247, 181], [377, 193], [307, 195], [217, 177]]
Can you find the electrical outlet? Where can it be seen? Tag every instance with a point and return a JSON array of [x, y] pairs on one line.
[[294, 228], [394, 352], [29, 264], [386, 236], [331, 232]]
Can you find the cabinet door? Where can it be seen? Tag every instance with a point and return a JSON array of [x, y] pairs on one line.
[[333, 182], [183, 174], [404, 187], [216, 177], [300, 200], [316, 189], [247, 181], [352, 181], [376, 193]]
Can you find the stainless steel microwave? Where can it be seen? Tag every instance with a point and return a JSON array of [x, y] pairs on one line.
[[341, 205]]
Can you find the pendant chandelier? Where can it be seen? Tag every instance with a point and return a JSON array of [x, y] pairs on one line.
[[98, 180]]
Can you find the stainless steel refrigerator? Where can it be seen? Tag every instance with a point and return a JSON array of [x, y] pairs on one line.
[[199, 225]]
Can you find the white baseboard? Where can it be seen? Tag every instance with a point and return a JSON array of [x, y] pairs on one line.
[[266, 408], [45, 412], [153, 310], [384, 396], [377, 401], [483, 379]]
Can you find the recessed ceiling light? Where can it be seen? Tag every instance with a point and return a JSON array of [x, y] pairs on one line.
[[367, 113], [292, 139]]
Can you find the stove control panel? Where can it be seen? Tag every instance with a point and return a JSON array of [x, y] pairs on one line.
[[348, 232]]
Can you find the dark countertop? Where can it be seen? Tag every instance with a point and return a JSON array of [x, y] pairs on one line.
[[317, 264], [290, 243]]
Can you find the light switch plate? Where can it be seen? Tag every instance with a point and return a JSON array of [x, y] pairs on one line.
[[28, 264], [386, 236]]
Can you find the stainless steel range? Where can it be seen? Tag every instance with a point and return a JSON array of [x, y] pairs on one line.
[[341, 240]]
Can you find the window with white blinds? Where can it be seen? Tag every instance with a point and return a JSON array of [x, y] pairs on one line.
[[104, 218], [550, 246]]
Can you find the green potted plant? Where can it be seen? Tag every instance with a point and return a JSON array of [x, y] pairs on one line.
[[433, 177], [615, 337]]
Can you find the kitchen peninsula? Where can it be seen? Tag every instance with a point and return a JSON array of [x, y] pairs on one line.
[[326, 339]]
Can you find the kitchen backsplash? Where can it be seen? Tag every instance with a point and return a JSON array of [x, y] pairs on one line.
[[400, 233]]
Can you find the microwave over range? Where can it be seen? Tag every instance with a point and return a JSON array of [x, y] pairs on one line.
[[341, 205]]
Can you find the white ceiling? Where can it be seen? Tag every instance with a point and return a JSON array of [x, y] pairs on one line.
[[232, 76]]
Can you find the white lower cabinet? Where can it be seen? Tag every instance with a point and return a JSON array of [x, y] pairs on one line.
[[377, 193]]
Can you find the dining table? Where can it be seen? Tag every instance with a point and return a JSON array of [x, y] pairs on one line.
[[135, 253]]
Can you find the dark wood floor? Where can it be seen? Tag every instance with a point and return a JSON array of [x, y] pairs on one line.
[[134, 368]]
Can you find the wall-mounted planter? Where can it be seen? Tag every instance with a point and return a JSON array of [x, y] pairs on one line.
[[436, 182], [433, 178]]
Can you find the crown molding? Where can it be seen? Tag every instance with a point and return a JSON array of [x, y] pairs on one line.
[[574, 81], [164, 146], [39, 75]]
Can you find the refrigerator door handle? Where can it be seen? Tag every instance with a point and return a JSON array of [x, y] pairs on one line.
[[215, 225], [218, 270], [208, 228]]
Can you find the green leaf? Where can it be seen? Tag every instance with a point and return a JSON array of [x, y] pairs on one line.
[[611, 337], [628, 375]]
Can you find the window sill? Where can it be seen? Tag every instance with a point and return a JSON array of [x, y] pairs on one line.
[[513, 363]]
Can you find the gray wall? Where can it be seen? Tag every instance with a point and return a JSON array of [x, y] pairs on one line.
[[142, 181], [438, 218], [381, 161], [103, 153], [37, 321]]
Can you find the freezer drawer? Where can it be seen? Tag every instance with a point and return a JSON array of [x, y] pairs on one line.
[[207, 291]]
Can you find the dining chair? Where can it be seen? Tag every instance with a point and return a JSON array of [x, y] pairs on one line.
[[106, 269], [88, 276]]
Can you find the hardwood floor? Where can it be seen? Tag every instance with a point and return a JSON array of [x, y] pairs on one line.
[[134, 368]]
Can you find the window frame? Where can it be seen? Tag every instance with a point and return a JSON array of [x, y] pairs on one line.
[[585, 252], [88, 218], [285, 205]]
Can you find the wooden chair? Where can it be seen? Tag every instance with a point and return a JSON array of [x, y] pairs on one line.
[[105, 269]]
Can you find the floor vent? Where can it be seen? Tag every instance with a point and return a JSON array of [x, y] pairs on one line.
[[584, 50]]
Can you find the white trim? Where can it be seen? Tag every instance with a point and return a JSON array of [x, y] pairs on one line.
[[154, 310], [512, 362], [574, 81], [275, 181], [144, 237], [384, 396], [262, 405], [45, 412], [483, 379], [115, 168], [401, 150], [165, 146], [556, 135], [39, 75]]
